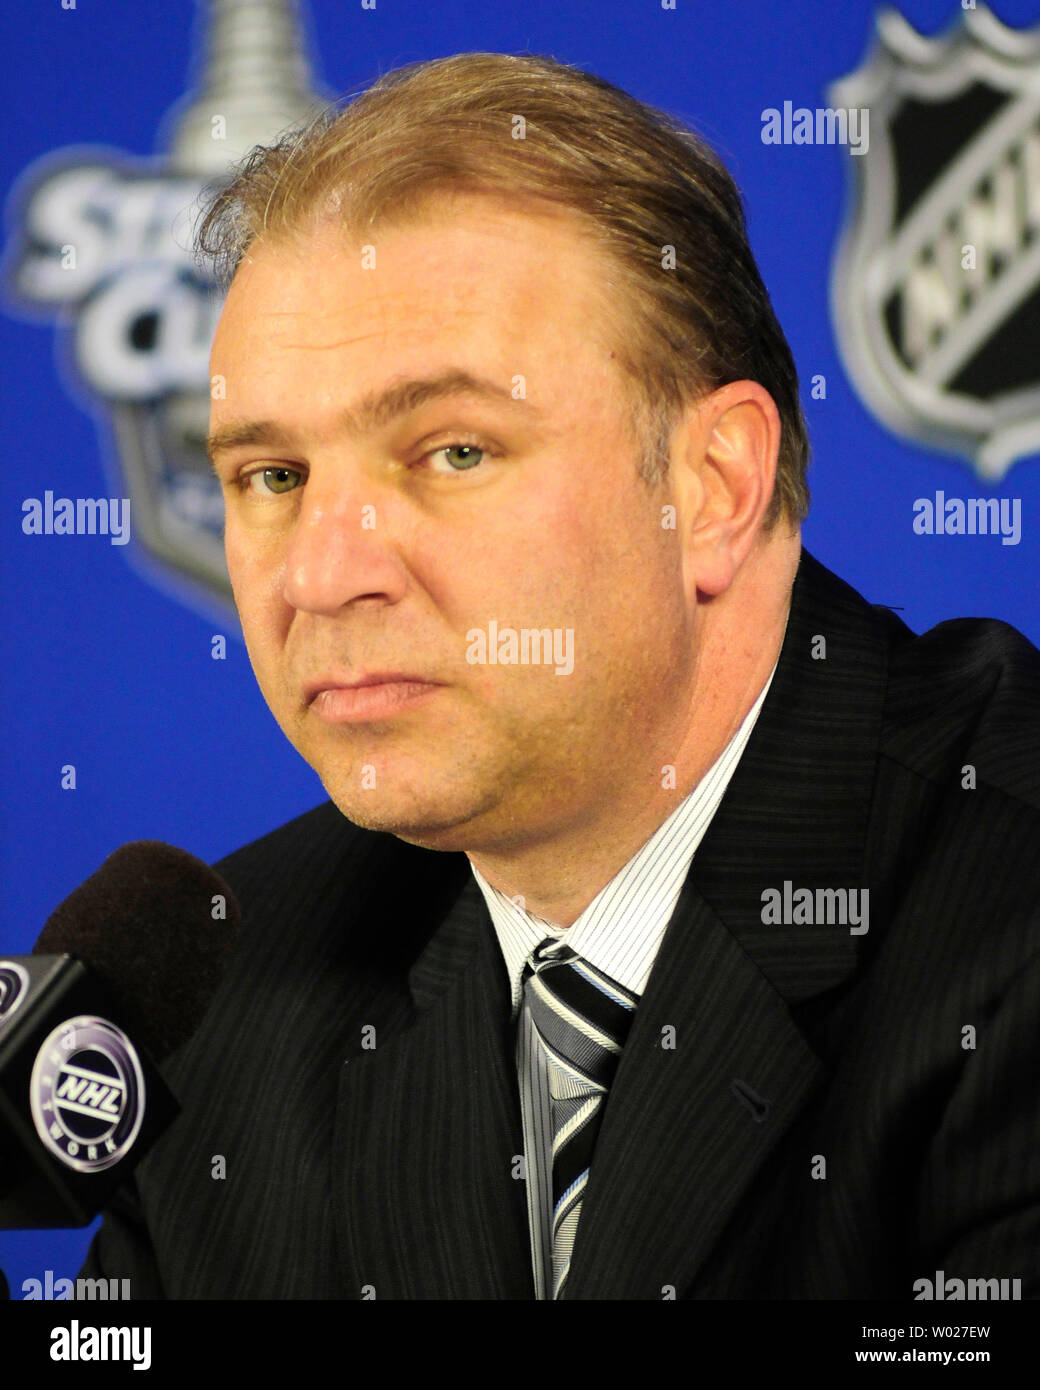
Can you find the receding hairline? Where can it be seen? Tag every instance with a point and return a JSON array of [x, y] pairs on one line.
[[610, 291], [341, 217]]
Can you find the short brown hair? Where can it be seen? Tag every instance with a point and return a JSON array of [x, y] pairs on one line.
[[652, 193]]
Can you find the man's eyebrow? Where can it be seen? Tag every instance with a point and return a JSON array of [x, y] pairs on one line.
[[374, 410]]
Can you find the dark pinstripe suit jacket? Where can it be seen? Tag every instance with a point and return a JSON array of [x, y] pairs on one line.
[[391, 1168]]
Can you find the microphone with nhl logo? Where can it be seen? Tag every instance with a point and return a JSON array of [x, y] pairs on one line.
[[121, 975]]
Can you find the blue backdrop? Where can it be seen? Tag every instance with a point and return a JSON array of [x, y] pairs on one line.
[[108, 660]]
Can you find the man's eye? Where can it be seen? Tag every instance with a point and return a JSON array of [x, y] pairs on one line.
[[459, 457], [268, 480]]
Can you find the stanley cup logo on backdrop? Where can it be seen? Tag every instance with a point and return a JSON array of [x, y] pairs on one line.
[[936, 287], [104, 242]]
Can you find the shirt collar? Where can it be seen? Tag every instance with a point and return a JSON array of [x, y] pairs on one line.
[[621, 929]]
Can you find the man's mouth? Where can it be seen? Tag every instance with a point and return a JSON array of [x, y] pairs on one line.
[[370, 695]]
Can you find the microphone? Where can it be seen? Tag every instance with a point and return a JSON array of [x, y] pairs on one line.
[[121, 975]]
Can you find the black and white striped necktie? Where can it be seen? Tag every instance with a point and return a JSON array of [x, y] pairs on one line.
[[581, 1018]]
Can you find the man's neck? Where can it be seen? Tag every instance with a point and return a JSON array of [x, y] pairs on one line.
[[559, 877]]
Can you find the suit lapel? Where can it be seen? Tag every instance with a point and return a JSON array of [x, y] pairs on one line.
[[712, 1074], [428, 1129], [694, 1114], [798, 807]]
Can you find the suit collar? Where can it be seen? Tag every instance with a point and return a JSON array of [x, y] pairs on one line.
[[798, 807]]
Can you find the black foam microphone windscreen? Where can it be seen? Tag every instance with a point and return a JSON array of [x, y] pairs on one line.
[[120, 976], [157, 925]]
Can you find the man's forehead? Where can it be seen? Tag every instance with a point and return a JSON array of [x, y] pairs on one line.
[[459, 287], [452, 242], [503, 307]]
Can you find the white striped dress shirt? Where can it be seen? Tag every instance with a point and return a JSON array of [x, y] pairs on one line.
[[620, 933]]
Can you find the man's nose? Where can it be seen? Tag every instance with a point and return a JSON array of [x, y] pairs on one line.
[[340, 552]]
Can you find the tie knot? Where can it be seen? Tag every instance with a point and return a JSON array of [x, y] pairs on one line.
[[547, 953], [558, 982], [552, 951]]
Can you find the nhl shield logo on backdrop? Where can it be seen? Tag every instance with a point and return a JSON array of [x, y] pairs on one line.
[[102, 242], [936, 285]]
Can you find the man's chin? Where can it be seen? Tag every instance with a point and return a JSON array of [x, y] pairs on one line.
[[430, 826]]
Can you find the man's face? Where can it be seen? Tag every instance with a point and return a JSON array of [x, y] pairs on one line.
[[364, 542]]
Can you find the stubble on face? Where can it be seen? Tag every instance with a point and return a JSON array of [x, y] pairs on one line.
[[557, 532]]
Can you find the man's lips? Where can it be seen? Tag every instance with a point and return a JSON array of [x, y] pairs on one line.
[[338, 700], [337, 682]]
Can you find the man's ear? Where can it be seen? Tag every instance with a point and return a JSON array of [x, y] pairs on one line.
[[725, 468]]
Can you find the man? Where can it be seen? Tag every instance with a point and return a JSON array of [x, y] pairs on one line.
[[672, 929]]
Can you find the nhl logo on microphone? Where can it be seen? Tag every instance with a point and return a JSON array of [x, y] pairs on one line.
[[87, 1094]]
